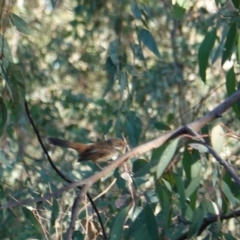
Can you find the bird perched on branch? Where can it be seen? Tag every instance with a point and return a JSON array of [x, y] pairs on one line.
[[97, 152]]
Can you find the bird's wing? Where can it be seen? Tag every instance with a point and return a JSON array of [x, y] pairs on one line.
[[97, 154]]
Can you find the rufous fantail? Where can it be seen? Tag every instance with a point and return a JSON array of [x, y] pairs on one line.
[[97, 152]]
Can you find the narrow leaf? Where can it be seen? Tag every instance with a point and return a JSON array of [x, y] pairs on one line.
[[20, 24], [228, 193], [236, 3], [135, 10], [152, 165], [133, 128], [186, 161], [107, 127], [114, 50], [166, 157], [144, 226], [15, 83], [7, 55], [178, 11], [110, 68], [238, 48], [204, 52], [199, 147], [196, 222], [117, 226], [55, 211], [161, 126], [217, 138], [193, 186], [3, 200], [32, 219], [152, 226], [148, 40], [4, 160], [231, 88], [230, 43], [3, 116], [181, 193]]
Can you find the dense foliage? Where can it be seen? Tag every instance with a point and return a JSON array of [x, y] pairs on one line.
[[135, 69]]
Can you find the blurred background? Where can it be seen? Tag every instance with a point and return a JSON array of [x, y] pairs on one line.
[[111, 68]]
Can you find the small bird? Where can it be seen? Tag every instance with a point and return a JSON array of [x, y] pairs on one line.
[[97, 152]]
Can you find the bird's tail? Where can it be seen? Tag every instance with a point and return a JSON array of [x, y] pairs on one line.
[[63, 143]]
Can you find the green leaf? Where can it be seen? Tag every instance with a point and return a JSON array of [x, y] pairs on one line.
[[165, 201], [204, 52], [209, 207], [230, 43], [3, 200], [144, 226], [231, 88], [146, 12], [7, 56], [152, 226], [77, 235], [4, 160], [217, 138], [187, 162], [236, 3], [114, 51], [108, 126], [117, 226], [55, 211], [148, 40], [133, 128], [178, 12], [228, 236], [228, 193], [138, 165], [184, 3], [20, 24], [137, 51], [199, 147], [151, 166], [166, 157], [123, 83], [110, 68], [181, 193], [121, 183], [238, 48], [135, 10], [161, 126], [32, 219], [191, 164], [193, 186], [3, 116], [15, 84], [196, 222]]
